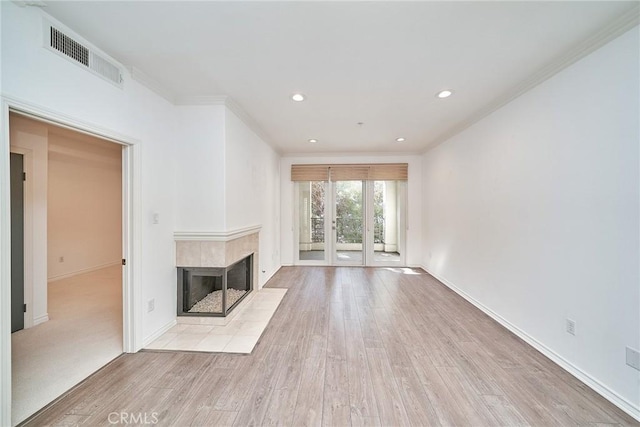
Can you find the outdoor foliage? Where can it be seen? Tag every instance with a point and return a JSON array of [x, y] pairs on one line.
[[317, 211], [349, 206], [349, 211]]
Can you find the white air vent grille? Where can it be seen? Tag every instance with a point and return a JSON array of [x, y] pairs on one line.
[[104, 68], [82, 55]]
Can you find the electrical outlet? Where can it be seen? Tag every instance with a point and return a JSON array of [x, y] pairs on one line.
[[633, 358], [151, 305], [61, 259], [571, 326]]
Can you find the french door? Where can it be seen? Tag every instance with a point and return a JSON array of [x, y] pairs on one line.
[[350, 223]]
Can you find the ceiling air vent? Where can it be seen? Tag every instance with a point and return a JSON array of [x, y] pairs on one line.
[[63, 44], [104, 68]]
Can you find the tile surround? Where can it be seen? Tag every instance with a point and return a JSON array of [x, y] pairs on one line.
[[188, 254], [215, 253], [239, 331], [211, 253], [239, 335]]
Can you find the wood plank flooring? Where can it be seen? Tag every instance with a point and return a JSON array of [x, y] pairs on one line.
[[348, 346]]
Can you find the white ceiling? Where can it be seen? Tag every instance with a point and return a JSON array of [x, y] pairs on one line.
[[380, 63]]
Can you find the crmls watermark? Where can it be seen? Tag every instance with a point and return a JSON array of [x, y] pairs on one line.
[[144, 418]]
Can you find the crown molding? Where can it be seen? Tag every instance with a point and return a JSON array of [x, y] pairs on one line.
[[201, 100], [150, 83], [609, 32], [30, 3], [233, 106], [194, 100], [216, 236], [250, 123]]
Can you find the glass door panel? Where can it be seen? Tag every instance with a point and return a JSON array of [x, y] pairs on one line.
[[386, 230], [311, 221], [348, 223], [364, 224]]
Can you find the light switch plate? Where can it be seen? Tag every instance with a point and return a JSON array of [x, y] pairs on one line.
[[633, 358]]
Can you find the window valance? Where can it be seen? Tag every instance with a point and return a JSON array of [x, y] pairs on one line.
[[351, 172]]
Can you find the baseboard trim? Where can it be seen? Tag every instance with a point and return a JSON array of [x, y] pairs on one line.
[[85, 270], [41, 319], [157, 334], [269, 276], [591, 382]]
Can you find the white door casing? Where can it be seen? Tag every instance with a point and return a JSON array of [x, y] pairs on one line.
[[131, 217]]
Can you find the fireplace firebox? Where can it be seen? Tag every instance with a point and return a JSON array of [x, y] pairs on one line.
[[214, 291]]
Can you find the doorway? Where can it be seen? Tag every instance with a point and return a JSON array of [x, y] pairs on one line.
[[75, 218], [350, 222]]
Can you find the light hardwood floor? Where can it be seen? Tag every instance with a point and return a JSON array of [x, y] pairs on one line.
[[348, 346]]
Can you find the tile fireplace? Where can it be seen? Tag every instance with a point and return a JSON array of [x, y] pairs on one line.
[[215, 273], [214, 291]]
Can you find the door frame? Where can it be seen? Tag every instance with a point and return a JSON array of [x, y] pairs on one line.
[[131, 232], [296, 228], [401, 190], [334, 231]]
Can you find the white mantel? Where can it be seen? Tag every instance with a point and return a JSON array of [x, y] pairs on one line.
[[216, 236]]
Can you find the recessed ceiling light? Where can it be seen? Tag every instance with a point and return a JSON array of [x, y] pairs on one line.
[[298, 97], [401, 139], [444, 94], [313, 140]]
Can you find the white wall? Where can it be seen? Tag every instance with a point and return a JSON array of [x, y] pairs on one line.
[[252, 190], [36, 76], [533, 212], [84, 204], [227, 178], [414, 200], [200, 168]]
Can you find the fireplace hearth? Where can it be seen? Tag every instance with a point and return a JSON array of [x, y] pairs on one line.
[[214, 291]]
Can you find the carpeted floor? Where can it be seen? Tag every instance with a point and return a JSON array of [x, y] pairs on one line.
[[83, 334]]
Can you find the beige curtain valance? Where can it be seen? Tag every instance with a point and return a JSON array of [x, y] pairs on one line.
[[309, 173], [351, 172]]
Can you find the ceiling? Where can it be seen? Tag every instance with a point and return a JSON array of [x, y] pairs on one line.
[[375, 63]]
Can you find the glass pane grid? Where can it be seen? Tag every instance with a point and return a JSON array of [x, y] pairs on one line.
[[311, 234], [349, 222]]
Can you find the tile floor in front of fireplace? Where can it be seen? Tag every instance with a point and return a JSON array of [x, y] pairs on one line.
[[240, 335]]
